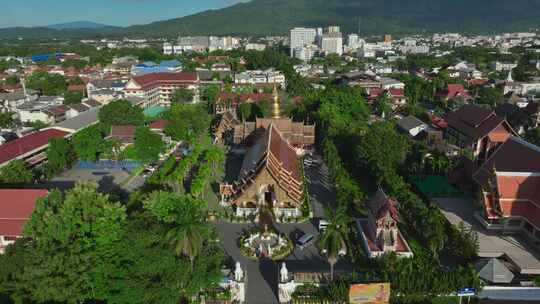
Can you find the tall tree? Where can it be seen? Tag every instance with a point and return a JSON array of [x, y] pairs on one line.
[[121, 112], [148, 144], [334, 238], [73, 253], [187, 121], [186, 217], [87, 143], [183, 95], [60, 155], [16, 173]]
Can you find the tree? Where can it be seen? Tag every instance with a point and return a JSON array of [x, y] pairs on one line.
[[121, 112], [60, 156], [186, 214], [210, 93], [6, 120], [15, 172], [489, 96], [382, 105], [382, 150], [183, 95], [187, 121], [47, 84], [72, 97], [245, 110], [74, 252], [87, 143], [148, 144], [334, 238]]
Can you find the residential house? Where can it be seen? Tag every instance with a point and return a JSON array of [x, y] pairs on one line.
[[76, 109], [396, 96], [477, 129], [454, 91], [411, 126]]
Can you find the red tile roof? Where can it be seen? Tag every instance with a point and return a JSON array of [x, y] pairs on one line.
[[28, 143], [455, 90], [16, 206], [159, 124], [154, 79], [517, 164]]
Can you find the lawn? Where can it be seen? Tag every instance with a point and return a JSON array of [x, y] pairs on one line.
[[436, 186]]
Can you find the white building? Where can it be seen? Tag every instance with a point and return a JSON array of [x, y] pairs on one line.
[[306, 53], [332, 43], [260, 77], [301, 37]]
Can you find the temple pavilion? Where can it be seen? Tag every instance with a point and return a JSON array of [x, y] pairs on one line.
[[270, 176]]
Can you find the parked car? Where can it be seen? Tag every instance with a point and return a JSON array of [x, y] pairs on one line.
[[305, 241]]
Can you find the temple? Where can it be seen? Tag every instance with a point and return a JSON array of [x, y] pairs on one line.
[[270, 176], [379, 231], [246, 133], [510, 196]]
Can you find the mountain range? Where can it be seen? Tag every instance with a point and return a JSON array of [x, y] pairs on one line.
[[76, 25], [276, 17]]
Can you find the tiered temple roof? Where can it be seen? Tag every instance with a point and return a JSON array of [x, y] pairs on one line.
[[272, 152], [296, 133]]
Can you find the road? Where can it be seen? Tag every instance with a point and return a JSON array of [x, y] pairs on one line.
[[262, 276]]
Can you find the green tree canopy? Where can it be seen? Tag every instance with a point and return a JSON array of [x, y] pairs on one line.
[[15, 172], [183, 95], [47, 84], [187, 121], [88, 143], [73, 256], [148, 144], [121, 112], [60, 156]]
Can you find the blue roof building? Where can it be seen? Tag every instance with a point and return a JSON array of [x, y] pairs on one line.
[[166, 66]]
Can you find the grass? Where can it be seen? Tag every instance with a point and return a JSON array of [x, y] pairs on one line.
[[436, 186]]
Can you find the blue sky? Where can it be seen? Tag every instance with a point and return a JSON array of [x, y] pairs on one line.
[[113, 12]]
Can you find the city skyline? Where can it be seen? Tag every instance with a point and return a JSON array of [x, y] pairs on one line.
[[32, 13]]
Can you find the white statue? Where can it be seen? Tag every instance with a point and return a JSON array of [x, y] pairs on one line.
[[284, 273], [238, 273]]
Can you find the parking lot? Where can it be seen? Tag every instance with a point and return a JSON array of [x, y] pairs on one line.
[[110, 179]]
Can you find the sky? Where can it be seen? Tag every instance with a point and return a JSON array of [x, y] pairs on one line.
[[111, 12]]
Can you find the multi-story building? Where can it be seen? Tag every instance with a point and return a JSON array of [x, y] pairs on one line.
[[158, 88], [332, 43], [269, 76], [301, 37]]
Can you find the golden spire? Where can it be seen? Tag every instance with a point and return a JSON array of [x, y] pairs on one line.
[[276, 105]]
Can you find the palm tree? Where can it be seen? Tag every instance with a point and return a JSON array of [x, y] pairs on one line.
[[187, 240], [334, 238]]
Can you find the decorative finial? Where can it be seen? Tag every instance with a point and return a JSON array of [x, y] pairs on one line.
[[276, 105]]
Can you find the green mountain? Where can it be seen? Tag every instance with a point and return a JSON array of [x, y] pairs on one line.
[[371, 16], [261, 17]]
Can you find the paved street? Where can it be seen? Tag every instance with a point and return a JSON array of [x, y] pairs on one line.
[[262, 276]]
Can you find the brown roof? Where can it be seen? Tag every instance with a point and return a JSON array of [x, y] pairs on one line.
[[92, 103], [279, 157], [58, 110], [380, 205], [125, 134], [79, 107], [152, 79], [159, 124], [475, 122], [28, 143]]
